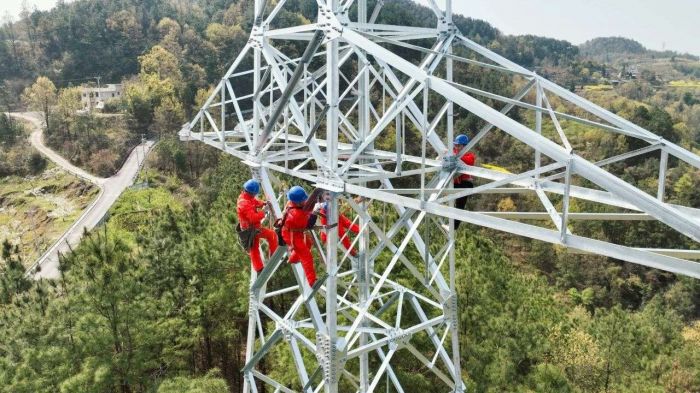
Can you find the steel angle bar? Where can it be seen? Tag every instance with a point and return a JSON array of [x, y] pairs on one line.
[[291, 86], [392, 28], [425, 325], [393, 175], [496, 58], [438, 12], [278, 386], [663, 165], [287, 32], [284, 321], [382, 368], [488, 127], [361, 313], [241, 120], [503, 182], [547, 204], [560, 131], [432, 335], [539, 109], [442, 345], [296, 113], [262, 83], [299, 363], [686, 254], [617, 158], [596, 110], [438, 182], [409, 292], [426, 362], [270, 267], [212, 96], [390, 371], [674, 265], [293, 288], [375, 12], [449, 56], [212, 123], [275, 337], [500, 190], [540, 216]]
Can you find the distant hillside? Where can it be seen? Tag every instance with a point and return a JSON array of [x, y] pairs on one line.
[[610, 49], [611, 45]]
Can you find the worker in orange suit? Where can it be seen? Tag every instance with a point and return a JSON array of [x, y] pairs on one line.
[[296, 223], [463, 181], [344, 224], [251, 211]]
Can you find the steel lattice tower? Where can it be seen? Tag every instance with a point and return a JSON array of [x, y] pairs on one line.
[[339, 117]]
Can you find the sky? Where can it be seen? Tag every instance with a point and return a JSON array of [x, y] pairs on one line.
[[657, 24]]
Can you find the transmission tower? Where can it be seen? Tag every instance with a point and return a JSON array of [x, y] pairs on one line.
[[344, 115]]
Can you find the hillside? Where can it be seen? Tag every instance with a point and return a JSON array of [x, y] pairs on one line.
[[38, 201], [156, 299]]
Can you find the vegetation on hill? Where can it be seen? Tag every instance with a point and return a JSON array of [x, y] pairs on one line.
[[611, 45], [607, 48], [38, 201]]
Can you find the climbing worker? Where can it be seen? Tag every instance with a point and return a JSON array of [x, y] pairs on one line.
[[343, 225], [296, 222], [251, 212], [463, 181]]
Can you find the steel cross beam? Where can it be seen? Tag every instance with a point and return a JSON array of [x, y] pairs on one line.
[[326, 119]]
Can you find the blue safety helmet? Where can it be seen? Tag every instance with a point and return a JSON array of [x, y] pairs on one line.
[[297, 194], [461, 140], [252, 186]]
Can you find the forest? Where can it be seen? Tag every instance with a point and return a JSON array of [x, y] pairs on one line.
[[155, 300]]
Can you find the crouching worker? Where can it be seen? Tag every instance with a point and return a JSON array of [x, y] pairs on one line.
[[463, 181], [344, 224], [297, 220], [251, 211]]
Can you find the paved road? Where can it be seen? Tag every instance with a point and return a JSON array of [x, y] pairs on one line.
[[110, 189]]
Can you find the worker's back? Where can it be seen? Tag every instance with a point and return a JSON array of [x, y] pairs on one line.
[[249, 212]]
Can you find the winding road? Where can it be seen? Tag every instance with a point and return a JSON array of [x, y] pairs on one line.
[[110, 189]]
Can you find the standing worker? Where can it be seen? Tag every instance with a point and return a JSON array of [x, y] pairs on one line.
[[344, 224], [251, 211], [296, 222], [462, 181]]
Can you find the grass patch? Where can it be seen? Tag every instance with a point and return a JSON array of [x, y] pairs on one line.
[[685, 84], [598, 88], [35, 211]]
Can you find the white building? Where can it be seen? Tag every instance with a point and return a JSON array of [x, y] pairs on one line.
[[95, 98]]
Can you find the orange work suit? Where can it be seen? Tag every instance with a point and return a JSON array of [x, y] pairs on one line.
[[296, 223], [344, 224], [250, 215]]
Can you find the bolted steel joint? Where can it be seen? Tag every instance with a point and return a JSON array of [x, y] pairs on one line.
[[450, 310], [331, 359], [450, 163], [398, 337], [252, 305]]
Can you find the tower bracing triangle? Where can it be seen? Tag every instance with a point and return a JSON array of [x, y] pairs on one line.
[[367, 112]]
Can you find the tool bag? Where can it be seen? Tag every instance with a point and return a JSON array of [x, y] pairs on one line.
[[246, 236]]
